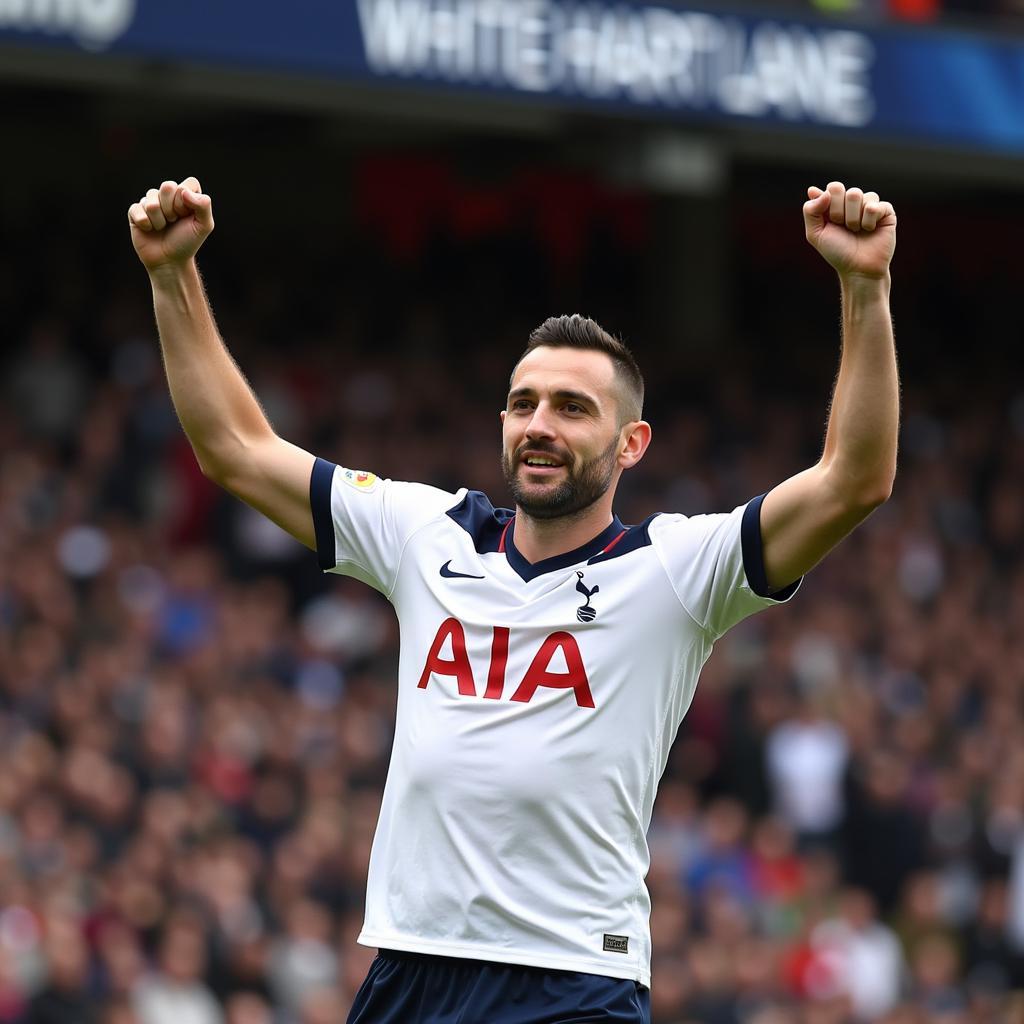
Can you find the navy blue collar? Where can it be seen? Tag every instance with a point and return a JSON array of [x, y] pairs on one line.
[[530, 571]]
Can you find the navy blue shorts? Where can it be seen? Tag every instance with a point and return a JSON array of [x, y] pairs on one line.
[[409, 988]]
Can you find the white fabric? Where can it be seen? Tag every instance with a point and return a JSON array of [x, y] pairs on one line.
[[515, 830]]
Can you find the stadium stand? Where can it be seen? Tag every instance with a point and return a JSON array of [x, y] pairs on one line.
[[195, 726]]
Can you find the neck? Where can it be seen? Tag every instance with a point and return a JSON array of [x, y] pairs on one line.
[[537, 539]]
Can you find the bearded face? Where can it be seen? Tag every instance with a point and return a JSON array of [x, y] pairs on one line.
[[562, 489]]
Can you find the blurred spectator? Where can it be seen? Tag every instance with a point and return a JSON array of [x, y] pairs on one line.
[[993, 966], [175, 992], [66, 997], [806, 761], [723, 863], [303, 959], [322, 1006], [883, 837], [861, 955], [46, 383], [247, 1008], [935, 965]]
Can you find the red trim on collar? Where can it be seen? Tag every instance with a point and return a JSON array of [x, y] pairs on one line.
[[605, 550], [501, 543]]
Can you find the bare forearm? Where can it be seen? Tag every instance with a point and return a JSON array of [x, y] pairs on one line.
[[861, 440], [217, 408]]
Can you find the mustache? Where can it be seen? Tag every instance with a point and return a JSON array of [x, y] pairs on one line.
[[540, 448]]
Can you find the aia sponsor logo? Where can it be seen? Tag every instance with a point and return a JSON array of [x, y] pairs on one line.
[[538, 675]]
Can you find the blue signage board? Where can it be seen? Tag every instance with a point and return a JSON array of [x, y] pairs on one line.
[[671, 61]]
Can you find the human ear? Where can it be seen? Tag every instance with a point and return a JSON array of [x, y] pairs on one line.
[[636, 438]]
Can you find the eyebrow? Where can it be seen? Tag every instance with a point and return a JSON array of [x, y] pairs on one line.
[[566, 394]]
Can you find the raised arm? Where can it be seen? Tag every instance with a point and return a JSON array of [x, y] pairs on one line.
[[804, 517], [233, 441]]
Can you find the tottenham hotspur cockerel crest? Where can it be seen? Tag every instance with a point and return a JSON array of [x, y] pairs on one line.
[[585, 613]]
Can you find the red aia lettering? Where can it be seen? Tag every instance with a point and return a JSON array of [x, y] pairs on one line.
[[537, 675], [458, 665], [499, 659]]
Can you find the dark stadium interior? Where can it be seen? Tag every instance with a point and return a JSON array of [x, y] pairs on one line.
[[195, 723]]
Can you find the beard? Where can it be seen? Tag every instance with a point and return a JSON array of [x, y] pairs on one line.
[[579, 490]]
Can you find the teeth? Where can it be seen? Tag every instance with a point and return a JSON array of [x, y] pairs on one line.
[[539, 462]]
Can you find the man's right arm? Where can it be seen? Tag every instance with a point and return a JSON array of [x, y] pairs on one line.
[[232, 438]]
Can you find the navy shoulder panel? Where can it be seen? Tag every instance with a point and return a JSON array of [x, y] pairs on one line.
[[481, 520], [638, 536]]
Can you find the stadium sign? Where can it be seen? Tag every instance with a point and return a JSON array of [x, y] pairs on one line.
[[642, 55], [93, 24], [663, 60]]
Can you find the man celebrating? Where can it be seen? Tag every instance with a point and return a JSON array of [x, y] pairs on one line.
[[548, 654]]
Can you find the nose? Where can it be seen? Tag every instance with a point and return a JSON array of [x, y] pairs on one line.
[[540, 425]]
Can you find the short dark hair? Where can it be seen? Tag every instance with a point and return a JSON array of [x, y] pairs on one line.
[[577, 331]]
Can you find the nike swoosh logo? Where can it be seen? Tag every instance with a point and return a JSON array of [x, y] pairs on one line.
[[450, 574]]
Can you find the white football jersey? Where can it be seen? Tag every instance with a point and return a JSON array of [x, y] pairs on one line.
[[536, 708]]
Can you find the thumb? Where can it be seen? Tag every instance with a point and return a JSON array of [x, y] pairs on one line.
[[816, 210], [200, 204]]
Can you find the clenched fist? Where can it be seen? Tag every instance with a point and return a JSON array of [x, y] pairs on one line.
[[854, 230], [170, 223]]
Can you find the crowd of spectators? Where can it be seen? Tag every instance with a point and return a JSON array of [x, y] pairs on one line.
[[195, 725], [984, 15]]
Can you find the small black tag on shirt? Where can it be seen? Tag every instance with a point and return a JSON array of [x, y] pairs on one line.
[[616, 943]]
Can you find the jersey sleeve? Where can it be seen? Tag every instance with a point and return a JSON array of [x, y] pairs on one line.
[[716, 565], [362, 522]]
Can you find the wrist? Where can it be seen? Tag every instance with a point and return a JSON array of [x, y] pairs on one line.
[[169, 276], [858, 285]]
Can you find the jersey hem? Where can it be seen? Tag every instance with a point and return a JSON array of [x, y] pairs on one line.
[[627, 972]]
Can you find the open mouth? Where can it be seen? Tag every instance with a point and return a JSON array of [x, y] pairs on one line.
[[540, 464]]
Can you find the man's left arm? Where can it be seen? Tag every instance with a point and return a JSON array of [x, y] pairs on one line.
[[804, 517]]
